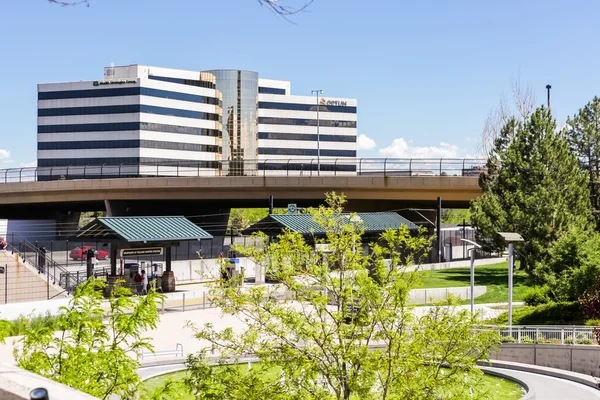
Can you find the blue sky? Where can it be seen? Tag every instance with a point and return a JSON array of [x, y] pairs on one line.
[[426, 73]]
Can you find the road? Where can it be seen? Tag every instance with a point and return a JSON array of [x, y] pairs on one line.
[[550, 388]]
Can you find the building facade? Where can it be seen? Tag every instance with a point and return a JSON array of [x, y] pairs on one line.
[[144, 120]]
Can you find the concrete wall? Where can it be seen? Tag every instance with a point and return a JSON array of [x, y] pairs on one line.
[[422, 296], [584, 359], [16, 384]]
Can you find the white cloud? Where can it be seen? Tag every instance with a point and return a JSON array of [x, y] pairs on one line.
[[365, 143], [28, 165], [4, 154], [401, 149]]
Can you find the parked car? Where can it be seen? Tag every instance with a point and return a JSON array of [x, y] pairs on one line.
[[80, 253]]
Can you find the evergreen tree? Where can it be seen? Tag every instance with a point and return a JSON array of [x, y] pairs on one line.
[[534, 186], [583, 132]]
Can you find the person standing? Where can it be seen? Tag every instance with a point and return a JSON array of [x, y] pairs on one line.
[[138, 283], [144, 282]]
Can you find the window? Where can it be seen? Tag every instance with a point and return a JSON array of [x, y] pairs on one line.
[[270, 90], [306, 152], [308, 166], [306, 107], [307, 137], [190, 82], [128, 91], [125, 109], [306, 122], [129, 126], [127, 144]]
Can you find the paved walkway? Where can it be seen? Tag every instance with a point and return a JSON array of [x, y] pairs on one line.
[[549, 388]]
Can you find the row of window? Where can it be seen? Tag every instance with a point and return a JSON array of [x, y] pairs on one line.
[[270, 90], [190, 82], [128, 108], [129, 126], [306, 152], [268, 166], [306, 107], [127, 91], [128, 144], [125, 161], [306, 137], [306, 122]]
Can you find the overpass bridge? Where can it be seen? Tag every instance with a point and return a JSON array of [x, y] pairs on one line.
[[61, 193]]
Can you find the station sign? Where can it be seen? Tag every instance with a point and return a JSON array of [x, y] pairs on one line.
[[150, 251]]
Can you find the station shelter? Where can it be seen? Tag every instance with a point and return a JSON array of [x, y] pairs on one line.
[[142, 236]]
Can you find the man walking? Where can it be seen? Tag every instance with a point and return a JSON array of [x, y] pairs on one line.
[[144, 282]]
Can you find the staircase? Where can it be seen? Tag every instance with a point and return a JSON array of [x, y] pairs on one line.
[[21, 281]]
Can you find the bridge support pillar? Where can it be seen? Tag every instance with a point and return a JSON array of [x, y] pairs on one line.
[[168, 277]]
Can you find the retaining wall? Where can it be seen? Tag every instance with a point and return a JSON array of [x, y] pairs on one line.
[[423, 296], [584, 359]]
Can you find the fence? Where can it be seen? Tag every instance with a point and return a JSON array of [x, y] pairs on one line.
[[273, 167], [554, 334]]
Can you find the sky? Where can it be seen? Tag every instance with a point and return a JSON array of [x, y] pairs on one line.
[[425, 73]]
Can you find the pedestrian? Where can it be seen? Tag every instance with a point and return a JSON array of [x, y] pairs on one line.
[[144, 282], [3, 244], [138, 282]]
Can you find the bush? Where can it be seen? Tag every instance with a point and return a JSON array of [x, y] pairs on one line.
[[564, 313], [25, 323], [508, 339], [537, 295]]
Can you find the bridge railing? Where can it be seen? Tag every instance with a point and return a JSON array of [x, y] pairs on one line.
[[325, 166]]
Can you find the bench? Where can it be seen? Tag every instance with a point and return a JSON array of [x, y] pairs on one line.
[[177, 352]]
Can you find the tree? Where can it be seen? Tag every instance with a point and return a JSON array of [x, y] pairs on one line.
[[455, 215], [521, 107], [583, 132], [339, 324], [242, 218], [534, 186], [88, 353]]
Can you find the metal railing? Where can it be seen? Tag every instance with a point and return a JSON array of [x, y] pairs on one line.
[[271, 167], [546, 334], [42, 261]]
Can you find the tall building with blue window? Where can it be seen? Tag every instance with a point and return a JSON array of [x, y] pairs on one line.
[[145, 120]]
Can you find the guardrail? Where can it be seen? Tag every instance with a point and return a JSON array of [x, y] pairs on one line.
[[546, 334], [271, 167]]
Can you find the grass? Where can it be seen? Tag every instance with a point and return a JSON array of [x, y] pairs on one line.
[[493, 276], [499, 387]]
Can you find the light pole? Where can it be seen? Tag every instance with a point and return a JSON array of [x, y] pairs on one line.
[[475, 246], [355, 219], [510, 237], [317, 92], [548, 87]]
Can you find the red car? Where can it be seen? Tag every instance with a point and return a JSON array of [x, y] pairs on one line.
[[80, 254]]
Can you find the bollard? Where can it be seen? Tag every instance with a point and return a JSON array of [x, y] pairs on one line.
[[163, 305], [184, 302], [39, 394]]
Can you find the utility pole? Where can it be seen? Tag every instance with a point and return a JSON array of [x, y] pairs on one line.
[[317, 92]]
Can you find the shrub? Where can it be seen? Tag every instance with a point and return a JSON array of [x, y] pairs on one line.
[[508, 339], [564, 313], [537, 295], [527, 339]]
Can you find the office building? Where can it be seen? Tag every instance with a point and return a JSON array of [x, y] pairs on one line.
[[143, 120]]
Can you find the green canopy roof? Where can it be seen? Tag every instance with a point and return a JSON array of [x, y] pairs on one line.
[[372, 223], [142, 229]]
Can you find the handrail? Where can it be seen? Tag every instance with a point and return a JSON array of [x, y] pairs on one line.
[[49, 262], [289, 166]]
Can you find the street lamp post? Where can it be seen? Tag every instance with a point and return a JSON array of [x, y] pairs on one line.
[[317, 92], [510, 237], [475, 246], [548, 87]]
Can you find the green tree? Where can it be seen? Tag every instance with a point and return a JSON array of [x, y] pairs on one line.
[[583, 132], [455, 215], [242, 218], [93, 350], [339, 325], [534, 186]]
